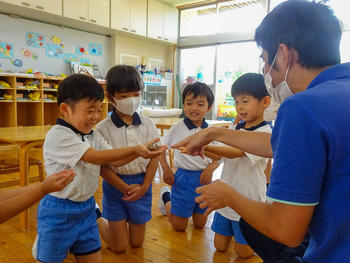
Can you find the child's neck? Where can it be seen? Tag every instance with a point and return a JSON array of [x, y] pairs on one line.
[[254, 123], [198, 123], [125, 118]]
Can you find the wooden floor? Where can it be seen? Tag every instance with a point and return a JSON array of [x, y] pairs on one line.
[[162, 243]]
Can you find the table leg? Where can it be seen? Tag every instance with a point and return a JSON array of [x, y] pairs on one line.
[[23, 181]]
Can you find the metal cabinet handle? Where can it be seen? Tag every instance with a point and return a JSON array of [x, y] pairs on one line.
[[132, 30], [25, 3], [166, 39], [82, 18], [159, 37], [93, 21], [40, 7], [126, 29]]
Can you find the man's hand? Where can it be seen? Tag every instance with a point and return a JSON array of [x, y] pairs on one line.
[[193, 145], [56, 182], [212, 196], [135, 193]]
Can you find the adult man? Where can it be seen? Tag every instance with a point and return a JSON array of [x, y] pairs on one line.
[[310, 179]]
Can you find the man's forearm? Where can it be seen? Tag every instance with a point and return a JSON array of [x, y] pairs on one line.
[[257, 143]]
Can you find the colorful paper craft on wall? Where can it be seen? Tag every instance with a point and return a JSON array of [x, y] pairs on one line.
[[17, 62], [29, 54], [6, 50], [35, 39], [54, 51], [79, 50], [84, 61], [57, 41], [67, 58], [95, 49]]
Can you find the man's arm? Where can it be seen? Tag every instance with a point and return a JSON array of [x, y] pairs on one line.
[[223, 151], [14, 201], [257, 143], [284, 223]]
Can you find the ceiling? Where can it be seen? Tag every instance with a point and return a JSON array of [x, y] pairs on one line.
[[179, 2]]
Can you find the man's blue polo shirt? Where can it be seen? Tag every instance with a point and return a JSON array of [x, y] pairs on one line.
[[311, 146]]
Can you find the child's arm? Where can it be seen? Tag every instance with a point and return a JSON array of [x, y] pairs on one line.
[[207, 173], [112, 155], [14, 201], [139, 190], [113, 179], [224, 151], [168, 174]]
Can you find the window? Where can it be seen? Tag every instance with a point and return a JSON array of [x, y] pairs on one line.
[[345, 47]]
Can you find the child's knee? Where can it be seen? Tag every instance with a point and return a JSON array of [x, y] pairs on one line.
[[136, 243], [243, 251], [179, 227], [118, 248], [219, 246]]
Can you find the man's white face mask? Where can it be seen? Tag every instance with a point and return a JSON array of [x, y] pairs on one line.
[[282, 90]]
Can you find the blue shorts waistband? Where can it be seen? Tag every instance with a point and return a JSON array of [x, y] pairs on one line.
[[123, 176], [189, 171], [68, 201]]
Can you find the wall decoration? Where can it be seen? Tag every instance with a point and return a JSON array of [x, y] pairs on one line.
[[84, 61], [17, 62], [57, 41], [26, 52], [68, 58], [35, 39], [80, 50], [54, 51], [6, 50], [95, 49]]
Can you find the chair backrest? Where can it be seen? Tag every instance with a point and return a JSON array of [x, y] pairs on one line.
[[8, 148]]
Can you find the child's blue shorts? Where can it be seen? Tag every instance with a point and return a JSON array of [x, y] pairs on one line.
[[116, 209], [226, 227], [183, 193], [65, 225]]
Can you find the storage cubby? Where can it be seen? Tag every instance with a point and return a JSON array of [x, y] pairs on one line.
[[29, 100]]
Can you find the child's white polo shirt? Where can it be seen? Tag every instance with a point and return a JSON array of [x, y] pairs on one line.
[[246, 174], [119, 135], [179, 131], [64, 146]]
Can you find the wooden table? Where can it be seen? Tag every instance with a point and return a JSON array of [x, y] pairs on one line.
[[27, 137], [166, 123]]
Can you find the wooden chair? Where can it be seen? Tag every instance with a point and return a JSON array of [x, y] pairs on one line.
[[10, 164]]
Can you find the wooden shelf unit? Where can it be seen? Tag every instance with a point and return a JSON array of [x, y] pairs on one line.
[[24, 112]]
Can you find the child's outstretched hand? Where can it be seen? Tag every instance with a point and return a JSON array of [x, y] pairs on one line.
[[56, 182], [147, 152], [168, 179], [135, 193], [206, 176]]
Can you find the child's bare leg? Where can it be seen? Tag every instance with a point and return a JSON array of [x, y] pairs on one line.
[[199, 220], [114, 233], [221, 242], [243, 251], [178, 223], [92, 258], [136, 234]]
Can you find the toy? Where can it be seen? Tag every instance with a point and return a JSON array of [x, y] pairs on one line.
[[34, 95], [7, 96], [152, 147], [5, 85], [51, 97], [31, 84]]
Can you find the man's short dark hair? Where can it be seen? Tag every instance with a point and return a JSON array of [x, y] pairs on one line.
[[310, 28], [77, 87], [250, 84], [123, 78], [198, 89]]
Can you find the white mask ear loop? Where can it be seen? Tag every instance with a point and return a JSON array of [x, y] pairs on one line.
[[290, 59], [273, 61]]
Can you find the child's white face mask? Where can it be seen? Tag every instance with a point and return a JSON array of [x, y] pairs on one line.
[[127, 106]]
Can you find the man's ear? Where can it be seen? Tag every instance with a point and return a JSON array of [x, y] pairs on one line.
[[285, 55], [65, 109]]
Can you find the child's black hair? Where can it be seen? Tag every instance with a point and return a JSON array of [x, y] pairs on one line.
[[123, 78], [77, 87], [250, 84], [198, 89]]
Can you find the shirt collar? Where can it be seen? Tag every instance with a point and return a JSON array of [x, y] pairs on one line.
[[335, 72], [70, 126], [191, 126], [136, 120], [241, 124]]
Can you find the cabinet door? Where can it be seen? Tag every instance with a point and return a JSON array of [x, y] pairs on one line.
[[155, 19], [170, 24], [77, 9], [99, 12], [26, 3], [50, 6], [138, 17], [120, 14]]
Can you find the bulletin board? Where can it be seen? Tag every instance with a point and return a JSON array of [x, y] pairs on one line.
[[26, 44]]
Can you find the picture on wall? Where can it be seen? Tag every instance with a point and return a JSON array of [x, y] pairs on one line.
[[35, 39], [6, 50], [68, 58], [95, 49], [54, 51]]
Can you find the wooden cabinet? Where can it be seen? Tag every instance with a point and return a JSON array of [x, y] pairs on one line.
[[129, 16], [30, 100], [49, 6], [162, 21], [77, 9], [99, 12]]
